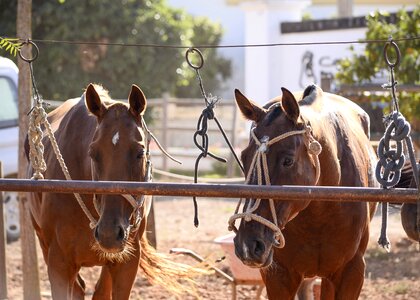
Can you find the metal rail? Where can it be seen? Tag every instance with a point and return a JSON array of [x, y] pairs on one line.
[[295, 193]]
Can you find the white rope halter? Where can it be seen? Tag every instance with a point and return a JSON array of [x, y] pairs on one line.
[[259, 163], [137, 202]]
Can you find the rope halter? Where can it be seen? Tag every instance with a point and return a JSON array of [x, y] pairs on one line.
[[140, 203], [260, 165]]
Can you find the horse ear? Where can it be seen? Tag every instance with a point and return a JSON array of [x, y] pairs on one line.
[[290, 105], [93, 101], [249, 109], [137, 101]]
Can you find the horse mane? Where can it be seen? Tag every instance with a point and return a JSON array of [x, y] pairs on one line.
[[309, 96]]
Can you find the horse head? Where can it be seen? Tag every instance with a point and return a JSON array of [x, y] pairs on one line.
[[118, 153], [281, 151]]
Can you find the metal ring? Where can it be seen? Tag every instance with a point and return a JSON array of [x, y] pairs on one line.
[[201, 62], [29, 60], [397, 50]]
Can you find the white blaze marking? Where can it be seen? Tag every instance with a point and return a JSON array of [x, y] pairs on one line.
[[116, 138]]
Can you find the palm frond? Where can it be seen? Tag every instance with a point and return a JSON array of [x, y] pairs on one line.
[[11, 45]]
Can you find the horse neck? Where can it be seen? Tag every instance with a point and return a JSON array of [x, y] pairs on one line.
[[324, 133]]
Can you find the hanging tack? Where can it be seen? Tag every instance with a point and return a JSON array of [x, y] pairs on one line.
[[202, 125], [200, 55], [391, 160]]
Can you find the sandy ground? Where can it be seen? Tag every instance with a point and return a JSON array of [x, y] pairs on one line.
[[394, 275]]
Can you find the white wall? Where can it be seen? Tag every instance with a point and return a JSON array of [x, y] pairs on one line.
[[289, 59], [261, 72]]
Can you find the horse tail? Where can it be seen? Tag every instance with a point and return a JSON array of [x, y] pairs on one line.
[[160, 269]]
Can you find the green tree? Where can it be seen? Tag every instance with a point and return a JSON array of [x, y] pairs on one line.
[[63, 70], [362, 68]]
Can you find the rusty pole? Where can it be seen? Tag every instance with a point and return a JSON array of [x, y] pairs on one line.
[[290, 193]]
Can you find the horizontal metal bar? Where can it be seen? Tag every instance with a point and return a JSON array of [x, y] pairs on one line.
[[323, 193]]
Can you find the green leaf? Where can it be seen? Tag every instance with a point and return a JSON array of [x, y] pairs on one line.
[[363, 67], [10, 45]]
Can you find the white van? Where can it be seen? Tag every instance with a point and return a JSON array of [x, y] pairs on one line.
[[9, 140]]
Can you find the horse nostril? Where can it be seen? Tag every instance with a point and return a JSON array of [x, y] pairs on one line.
[[121, 234], [259, 248]]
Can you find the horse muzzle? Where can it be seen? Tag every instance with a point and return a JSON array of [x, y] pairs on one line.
[[111, 238], [253, 252]]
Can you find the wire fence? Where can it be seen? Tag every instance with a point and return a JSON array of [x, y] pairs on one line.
[[98, 43]]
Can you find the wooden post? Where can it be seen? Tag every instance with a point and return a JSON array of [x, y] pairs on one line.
[[165, 130], [150, 225], [3, 271], [31, 288], [345, 8], [232, 162]]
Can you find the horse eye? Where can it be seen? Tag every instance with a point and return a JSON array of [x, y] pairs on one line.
[[288, 162]]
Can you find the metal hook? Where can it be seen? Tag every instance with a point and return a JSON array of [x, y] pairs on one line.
[[398, 52], [201, 62], [34, 57]]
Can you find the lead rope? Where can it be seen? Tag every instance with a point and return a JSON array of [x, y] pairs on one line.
[[38, 117], [202, 126], [260, 165], [391, 160]]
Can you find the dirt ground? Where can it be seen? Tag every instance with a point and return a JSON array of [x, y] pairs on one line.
[[394, 275]]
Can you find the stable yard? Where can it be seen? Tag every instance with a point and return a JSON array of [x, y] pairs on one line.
[[394, 275]]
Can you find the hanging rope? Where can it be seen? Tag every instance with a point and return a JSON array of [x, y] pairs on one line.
[[201, 139], [391, 159], [38, 117]]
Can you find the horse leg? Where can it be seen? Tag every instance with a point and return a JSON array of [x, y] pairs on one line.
[[103, 287], [62, 276], [348, 281], [123, 276], [281, 283]]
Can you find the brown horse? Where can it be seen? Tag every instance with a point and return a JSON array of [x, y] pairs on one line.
[[293, 240], [99, 139], [409, 210]]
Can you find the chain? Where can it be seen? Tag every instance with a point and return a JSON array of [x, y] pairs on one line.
[[391, 159]]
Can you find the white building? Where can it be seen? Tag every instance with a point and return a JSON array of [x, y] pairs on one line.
[[261, 71]]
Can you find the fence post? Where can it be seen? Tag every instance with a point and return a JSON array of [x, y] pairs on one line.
[[165, 106], [150, 225], [3, 270], [31, 289], [232, 161], [326, 81]]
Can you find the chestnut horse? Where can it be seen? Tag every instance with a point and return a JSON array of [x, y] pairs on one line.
[[409, 211], [323, 139], [100, 139]]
